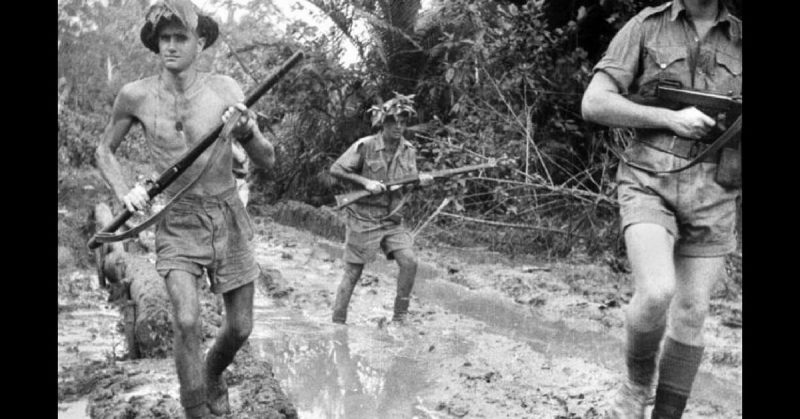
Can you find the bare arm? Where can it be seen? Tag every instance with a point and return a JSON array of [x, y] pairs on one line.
[[121, 121], [344, 168], [339, 172], [260, 149], [602, 103]]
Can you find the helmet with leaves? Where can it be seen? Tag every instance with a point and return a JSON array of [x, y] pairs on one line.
[[398, 105]]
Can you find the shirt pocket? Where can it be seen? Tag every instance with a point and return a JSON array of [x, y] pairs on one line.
[[728, 77], [375, 169], [665, 63]]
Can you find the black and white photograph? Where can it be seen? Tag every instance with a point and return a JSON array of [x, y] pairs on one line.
[[406, 209]]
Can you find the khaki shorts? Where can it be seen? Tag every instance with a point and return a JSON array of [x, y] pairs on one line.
[[212, 233], [362, 247], [690, 205]]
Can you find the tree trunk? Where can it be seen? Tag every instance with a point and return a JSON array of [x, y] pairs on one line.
[[133, 277]]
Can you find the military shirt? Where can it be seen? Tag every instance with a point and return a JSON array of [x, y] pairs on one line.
[[661, 43], [366, 158]]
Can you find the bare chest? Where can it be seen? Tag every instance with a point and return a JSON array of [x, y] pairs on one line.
[[175, 123]]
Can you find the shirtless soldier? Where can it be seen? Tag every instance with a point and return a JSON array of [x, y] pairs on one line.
[[373, 222], [677, 227], [209, 227]]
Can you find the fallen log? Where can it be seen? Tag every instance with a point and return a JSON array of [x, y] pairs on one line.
[[133, 282]]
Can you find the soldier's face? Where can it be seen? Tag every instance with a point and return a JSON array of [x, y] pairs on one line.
[[178, 46], [393, 127]]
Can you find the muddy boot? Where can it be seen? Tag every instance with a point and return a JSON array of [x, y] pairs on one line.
[[400, 309], [628, 403], [194, 404], [218, 396], [197, 412]]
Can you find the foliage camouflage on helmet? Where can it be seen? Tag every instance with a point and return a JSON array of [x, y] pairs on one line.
[[398, 105]]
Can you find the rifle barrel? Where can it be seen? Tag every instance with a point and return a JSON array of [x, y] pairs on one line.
[[348, 198]]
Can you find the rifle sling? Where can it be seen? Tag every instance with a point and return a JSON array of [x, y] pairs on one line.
[[102, 237], [717, 145]]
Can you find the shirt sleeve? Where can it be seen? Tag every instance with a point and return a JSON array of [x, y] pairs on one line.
[[352, 160], [621, 59]]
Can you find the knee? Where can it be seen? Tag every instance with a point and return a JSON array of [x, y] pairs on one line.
[[241, 329], [690, 313], [352, 272], [655, 301], [407, 260], [187, 324]]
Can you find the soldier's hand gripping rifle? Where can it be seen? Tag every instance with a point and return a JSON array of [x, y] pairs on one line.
[[169, 175], [346, 199], [670, 94]]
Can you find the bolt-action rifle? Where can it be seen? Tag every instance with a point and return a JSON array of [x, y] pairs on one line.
[[156, 186], [346, 199]]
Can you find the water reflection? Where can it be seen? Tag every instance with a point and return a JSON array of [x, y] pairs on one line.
[[336, 375]]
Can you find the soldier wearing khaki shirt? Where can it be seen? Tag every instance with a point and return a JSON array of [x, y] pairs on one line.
[[679, 226], [374, 222]]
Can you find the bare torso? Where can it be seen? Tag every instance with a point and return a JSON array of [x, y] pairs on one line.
[[174, 123]]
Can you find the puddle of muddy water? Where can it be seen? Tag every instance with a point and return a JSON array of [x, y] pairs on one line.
[[332, 371], [73, 410], [551, 338]]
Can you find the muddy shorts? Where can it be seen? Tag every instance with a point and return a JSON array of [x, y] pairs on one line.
[[690, 205], [211, 232], [362, 247]]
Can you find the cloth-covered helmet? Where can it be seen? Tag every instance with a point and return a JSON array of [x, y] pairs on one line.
[[181, 11]]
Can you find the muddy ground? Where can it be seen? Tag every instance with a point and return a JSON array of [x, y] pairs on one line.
[[488, 337]]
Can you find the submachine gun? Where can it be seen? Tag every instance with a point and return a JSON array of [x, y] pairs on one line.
[[723, 139], [671, 94]]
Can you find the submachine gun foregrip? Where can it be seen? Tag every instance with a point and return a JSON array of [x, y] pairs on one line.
[[169, 175]]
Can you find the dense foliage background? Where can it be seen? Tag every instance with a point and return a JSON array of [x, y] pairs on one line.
[[491, 79]]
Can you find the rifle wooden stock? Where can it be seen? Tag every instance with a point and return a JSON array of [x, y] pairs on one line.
[[184, 162], [346, 199]]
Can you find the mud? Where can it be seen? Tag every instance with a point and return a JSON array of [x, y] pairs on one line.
[[487, 337]]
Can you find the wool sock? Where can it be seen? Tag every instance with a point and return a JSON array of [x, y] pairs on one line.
[[640, 354], [676, 372]]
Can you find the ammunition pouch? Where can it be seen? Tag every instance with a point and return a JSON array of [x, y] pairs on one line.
[[729, 167]]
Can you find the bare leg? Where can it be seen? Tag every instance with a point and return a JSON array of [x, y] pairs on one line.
[[650, 251], [683, 349], [182, 289], [352, 273], [407, 262], [233, 334]]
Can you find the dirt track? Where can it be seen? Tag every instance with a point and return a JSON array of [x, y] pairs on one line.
[[488, 338]]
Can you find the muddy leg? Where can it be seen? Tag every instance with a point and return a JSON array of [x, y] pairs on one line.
[[233, 334], [352, 273], [182, 290], [407, 262]]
